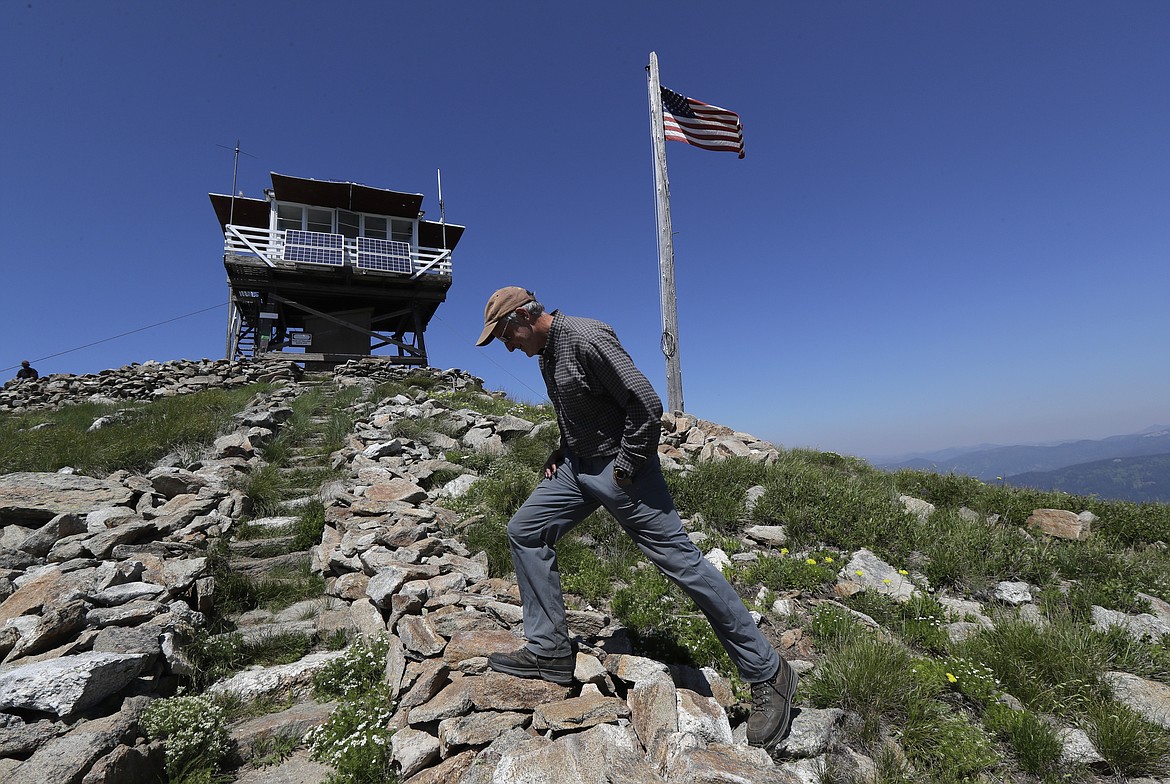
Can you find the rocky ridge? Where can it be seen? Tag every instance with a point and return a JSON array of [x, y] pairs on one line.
[[102, 580]]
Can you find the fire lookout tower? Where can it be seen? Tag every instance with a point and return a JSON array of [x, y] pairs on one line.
[[332, 269]]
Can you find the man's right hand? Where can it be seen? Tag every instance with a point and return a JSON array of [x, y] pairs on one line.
[[550, 465]]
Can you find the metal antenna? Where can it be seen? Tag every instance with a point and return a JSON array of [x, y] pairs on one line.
[[235, 169], [442, 210]]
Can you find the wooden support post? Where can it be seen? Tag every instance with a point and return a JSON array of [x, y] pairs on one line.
[[670, 346]]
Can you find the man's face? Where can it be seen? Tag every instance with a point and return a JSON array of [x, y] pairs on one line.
[[518, 334]]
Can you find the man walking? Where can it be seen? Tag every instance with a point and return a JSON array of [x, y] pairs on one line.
[[610, 423]]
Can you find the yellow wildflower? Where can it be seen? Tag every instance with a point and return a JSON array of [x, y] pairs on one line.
[[811, 561], [952, 678]]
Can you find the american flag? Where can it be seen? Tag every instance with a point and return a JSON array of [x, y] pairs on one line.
[[694, 122]]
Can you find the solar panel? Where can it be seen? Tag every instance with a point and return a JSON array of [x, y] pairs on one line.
[[314, 247], [384, 255]]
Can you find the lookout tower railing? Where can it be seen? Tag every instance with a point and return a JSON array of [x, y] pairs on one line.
[[290, 249]]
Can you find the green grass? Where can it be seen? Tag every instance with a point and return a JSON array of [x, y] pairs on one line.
[[871, 678], [917, 622], [665, 624], [237, 591], [1132, 745], [309, 526], [142, 434], [1051, 668], [1034, 742], [215, 657], [786, 573]]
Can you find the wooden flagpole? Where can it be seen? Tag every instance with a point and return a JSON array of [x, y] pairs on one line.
[[670, 347]]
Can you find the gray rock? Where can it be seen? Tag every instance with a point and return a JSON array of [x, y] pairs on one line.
[[725, 763], [478, 728], [1060, 523], [812, 732], [42, 540], [453, 700], [58, 624], [68, 757], [603, 753], [1150, 699], [1077, 749], [579, 712], [36, 498], [482, 439], [866, 572], [769, 535], [22, 740], [127, 592], [635, 669], [1143, 626], [413, 750], [170, 482], [1016, 593], [419, 636], [654, 715], [279, 679], [69, 684], [702, 717], [916, 507]]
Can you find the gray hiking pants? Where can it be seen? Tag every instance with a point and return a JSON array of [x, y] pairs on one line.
[[646, 512]]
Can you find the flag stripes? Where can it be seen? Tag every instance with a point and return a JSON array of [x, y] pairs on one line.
[[700, 124]]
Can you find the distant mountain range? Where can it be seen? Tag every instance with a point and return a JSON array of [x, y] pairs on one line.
[[1124, 478], [1110, 465]]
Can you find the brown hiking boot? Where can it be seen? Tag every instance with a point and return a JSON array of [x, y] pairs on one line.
[[772, 707], [526, 664]]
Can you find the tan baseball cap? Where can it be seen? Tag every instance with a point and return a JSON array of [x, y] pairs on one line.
[[499, 305]]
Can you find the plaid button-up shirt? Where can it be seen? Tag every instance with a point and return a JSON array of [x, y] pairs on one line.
[[604, 405]]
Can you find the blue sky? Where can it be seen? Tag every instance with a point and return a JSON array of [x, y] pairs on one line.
[[952, 225]]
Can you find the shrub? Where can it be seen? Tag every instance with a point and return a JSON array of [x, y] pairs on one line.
[[1130, 744], [919, 621], [1035, 743], [192, 728], [973, 555], [717, 491], [354, 739], [309, 526], [665, 624], [833, 502], [833, 627], [938, 738], [360, 667]]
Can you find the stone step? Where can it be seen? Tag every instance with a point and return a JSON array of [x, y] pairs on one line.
[[253, 548], [258, 566]]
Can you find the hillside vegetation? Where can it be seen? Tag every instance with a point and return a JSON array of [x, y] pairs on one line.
[[942, 675]]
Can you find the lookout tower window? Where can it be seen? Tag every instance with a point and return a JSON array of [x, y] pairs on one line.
[[402, 231], [375, 227], [317, 219], [289, 216], [349, 224]]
